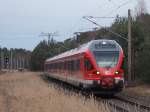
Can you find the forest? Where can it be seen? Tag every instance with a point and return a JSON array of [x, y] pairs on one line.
[[14, 59]]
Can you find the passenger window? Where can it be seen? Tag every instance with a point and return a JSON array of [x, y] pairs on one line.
[[77, 65], [88, 65]]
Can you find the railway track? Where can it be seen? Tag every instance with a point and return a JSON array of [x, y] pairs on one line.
[[140, 103], [116, 107], [118, 103], [125, 104]]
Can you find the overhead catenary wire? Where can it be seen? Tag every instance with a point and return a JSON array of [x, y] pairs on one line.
[[112, 2], [50, 35], [73, 27], [118, 7], [109, 17], [106, 17], [93, 28], [106, 29], [101, 17]]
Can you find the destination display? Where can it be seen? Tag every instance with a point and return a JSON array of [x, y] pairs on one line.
[[104, 45]]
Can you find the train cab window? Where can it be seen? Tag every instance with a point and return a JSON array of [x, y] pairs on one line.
[[88, 65], [106, 58]]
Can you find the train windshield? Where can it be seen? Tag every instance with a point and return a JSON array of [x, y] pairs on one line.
[[106, 58]]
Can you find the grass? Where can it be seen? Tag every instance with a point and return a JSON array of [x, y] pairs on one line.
[[28, 92], [74, 103]]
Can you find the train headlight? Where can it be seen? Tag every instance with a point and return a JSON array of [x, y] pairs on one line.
[[97, 72], [116, 72]]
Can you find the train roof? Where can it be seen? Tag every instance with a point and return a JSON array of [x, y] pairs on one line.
[[81, 49]]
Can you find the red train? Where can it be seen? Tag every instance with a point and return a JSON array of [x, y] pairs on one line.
[[96, 65]]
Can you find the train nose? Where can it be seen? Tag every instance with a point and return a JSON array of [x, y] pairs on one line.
[[107, 82]]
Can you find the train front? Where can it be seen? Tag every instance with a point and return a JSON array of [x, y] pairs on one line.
[[106, 65]]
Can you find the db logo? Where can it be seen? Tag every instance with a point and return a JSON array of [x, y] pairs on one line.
[[107, 72]]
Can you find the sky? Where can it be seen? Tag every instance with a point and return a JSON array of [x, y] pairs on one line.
[[22, 21]]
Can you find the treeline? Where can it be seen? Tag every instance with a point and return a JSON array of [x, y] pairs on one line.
[[140, 44], [14, 58]]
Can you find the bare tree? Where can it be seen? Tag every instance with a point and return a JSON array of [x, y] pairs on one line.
[[140, 8]]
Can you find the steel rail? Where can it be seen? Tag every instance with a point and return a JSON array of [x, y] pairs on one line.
[[133, 101], [115, 107]]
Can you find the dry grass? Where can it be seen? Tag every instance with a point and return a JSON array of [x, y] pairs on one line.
[[27, 92]]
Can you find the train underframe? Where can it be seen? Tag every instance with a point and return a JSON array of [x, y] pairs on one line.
[[97, 87], [94, 86]]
